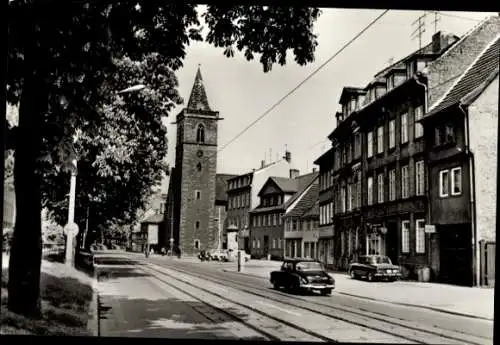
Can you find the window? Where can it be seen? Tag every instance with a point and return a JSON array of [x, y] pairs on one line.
[[456, 181], [349, 197], [405, 186], [254, 243], [196, 244], [380, 188], [420, 236], [369, 139], [198, 166], [274, 243], [444, 176], [380, 139], [275, 219], [342, 199], [419, 128], [444, 135], [392, 185], [392, 134], [357, 145], [405, 236], [404, 128], [258, 243], [197, 224], [370, 190], [200, 134], [419, 178]]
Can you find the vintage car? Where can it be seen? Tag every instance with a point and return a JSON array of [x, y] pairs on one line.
[[219, 255], [299, 275], [374, 267]]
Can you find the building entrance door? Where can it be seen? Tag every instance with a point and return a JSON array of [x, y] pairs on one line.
[[266, 245]]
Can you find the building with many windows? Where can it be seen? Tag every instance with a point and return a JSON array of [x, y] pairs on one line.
[[461, 127], [301, 225], [242, 196], [277, 196]]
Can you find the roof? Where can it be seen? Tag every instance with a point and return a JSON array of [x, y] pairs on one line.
[[154, 219], [287, 185], [306, 203], [325, 155], [313, 212], [479, 71], [349, 90], [302, 182], [198, 99], [221, 186]]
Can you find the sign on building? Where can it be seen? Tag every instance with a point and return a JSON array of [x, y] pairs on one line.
[[152, 234], [430, 229]]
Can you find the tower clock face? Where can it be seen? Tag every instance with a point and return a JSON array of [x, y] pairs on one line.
[[199, 153]]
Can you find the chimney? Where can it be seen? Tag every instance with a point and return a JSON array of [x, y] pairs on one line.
[[314, 170], [288, 156], [294, 173], [439, 42], [262, 163]]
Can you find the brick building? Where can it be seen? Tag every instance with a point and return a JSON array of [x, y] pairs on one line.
[[277, 197], [191, 217], [461, 129], [242, 196]]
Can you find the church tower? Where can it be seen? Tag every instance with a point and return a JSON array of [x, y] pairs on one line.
[[196, 168]]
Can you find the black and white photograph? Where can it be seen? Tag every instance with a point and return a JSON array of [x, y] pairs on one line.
[[249, 172]]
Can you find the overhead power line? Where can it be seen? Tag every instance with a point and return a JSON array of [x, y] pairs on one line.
[[289, 93]]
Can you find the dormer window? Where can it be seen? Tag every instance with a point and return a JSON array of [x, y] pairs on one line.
[[200, 134], [353, 105]]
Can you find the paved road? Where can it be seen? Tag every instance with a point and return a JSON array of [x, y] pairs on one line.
[[259, 310]]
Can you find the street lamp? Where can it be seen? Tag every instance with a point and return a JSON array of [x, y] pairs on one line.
[[71, 229]]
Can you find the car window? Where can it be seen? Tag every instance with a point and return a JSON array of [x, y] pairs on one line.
[[309, 266], [382, 260]]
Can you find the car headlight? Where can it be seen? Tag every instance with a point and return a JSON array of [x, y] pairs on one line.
[[331, 280]]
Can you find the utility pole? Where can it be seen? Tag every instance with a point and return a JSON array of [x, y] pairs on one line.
[[420, 29]]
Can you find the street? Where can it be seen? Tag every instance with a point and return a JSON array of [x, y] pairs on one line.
[[163, 297]]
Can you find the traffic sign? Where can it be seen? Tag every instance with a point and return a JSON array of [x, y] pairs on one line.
[[430, 229]]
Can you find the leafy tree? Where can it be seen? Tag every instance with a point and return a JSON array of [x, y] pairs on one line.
[[62, 59]]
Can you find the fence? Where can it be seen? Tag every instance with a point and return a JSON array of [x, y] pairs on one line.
[[487, 251]]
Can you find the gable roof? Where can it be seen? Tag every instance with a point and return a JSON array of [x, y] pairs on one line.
[[221, 186], [479, 71], [287, 185], [306, 203], [301, 182]]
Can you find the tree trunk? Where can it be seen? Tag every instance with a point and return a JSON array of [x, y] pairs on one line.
[[26, 251]]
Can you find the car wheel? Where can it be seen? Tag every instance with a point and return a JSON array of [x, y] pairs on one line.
[[276, 286], [326, 292], [370, 277], [352, 274]]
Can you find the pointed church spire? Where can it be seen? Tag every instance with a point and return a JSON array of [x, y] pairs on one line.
[[198, 99]]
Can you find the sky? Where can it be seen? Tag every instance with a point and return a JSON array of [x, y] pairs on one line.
[[242, 92]]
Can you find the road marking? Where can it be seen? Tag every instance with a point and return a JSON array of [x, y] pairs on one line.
[[282, 309]]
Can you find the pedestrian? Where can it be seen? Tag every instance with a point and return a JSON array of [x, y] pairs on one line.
[[163, 251]]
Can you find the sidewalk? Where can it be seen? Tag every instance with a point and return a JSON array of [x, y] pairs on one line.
[[472, 302]]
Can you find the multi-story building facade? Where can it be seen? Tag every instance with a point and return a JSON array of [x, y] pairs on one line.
[[461, 133], [302, 225], [242, 196], [277, 197], [396, 185], [326, 199], [221, 205]]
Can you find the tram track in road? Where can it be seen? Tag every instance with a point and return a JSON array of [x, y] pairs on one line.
[[406, 330], [272, 332]]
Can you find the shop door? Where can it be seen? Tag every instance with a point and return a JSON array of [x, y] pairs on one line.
[[456, 255], [392, 242]]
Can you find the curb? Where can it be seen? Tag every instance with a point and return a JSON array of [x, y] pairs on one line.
[[93, 322], [446, 311]]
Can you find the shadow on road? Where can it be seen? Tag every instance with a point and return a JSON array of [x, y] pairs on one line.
[[172, 318]]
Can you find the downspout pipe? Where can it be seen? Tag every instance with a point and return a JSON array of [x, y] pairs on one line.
[[476, 273], [427, 174]]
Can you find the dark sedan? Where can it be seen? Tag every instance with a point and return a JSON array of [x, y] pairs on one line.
[[374, 267], [303, 275]]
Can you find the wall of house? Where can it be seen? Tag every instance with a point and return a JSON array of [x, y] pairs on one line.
[[279, 169], [274, 233], [483, 122], [9, 207]]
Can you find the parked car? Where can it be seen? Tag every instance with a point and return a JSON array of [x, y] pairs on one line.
[[219, 255], [374, 267], [300, 275]]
